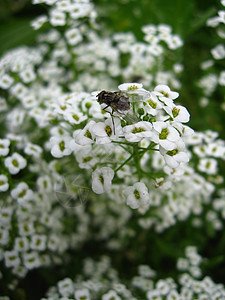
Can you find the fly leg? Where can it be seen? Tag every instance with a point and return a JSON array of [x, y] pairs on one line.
[[111, 113]]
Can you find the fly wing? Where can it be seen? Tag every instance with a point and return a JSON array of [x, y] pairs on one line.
[[138, 95]]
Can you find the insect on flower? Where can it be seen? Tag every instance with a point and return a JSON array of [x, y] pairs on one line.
[[119, 102]]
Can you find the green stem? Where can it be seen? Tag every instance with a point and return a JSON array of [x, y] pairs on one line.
[[124, 163], [137, 160]]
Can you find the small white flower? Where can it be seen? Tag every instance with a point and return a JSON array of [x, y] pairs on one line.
[[86, 158], [5, 81], [60, 146], [4, 147], [34, 150], [15, 163], [38, 242], [138, 131], [165, 94], [26, 229], [163, 287], [11, 258], [4, 236], [104, 132], [27, 75], [178, 113], [22, 193], [3, 104], [82, 294], [218, 52], [4, 185], [111, 295], [65, 287], [130, 86], [86, 136], [39, 21], [174, 157], [44, 184], [208, 165], [165, 135], [137, 195], [21, 244], [102, 180], [57, 18], [153, 105], [73, 36], [31, 260], [74, 116]]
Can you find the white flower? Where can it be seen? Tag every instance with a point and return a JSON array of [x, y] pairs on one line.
[[38, 242], [73, 36], [5, 81], [82, 294], [34, 150], [11, 258], [31, 260], [86, 158], [15, 163], [27, 75], [137, 195], [104, 132], [74, 116], [178, 113], [165, 135], [111, 295], [218, 52], [4, 236], [130, 86], [22, 193], [165, 94], [21, 244], [102, 180], [57, 18], [174, 157], [138, 131], [4, 185], [39, 21], [44, 184], [208, 165], [153, 105], [60, 146], [4, 147], [3, 104], [86, 136], [79, 10], [65, 287], [26, 229]]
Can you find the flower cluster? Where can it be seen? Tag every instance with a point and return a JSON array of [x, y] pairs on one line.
[[118, 171], [101, 281]]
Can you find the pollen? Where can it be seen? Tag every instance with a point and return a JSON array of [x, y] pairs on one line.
[[137, 194], [132, 87], [152, 104], [22, 194], [62, 146], [172, 152], [165, 94], [164, 133], [15, 163], [87, 159], [101, 179], [88, 134], [63, 107], [175, 112], [76, 118], [108, 130], [138, 130]]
